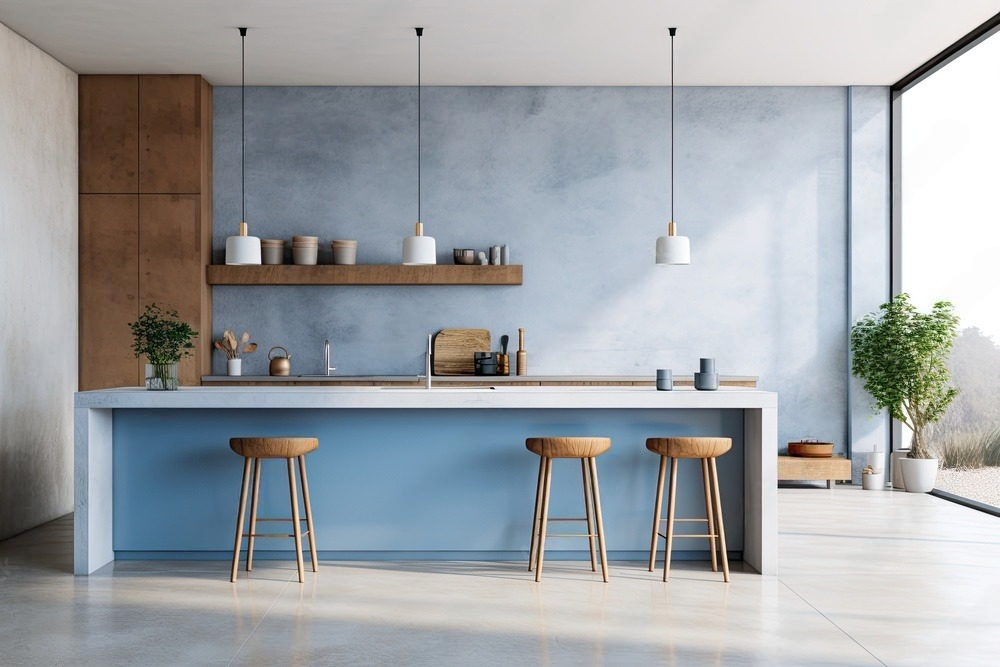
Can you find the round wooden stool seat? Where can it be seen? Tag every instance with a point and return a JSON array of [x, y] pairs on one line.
[[568, 447], [689, 447], [273, 448]]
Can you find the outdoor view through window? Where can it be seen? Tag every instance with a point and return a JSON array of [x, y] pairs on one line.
[[950, 245]]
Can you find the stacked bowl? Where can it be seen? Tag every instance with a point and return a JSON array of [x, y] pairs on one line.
[[305, 249], [272, 251], [344, 251]]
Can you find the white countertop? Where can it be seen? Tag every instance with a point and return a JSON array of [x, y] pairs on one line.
[[418, 397]]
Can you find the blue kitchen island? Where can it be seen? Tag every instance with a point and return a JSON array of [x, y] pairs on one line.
[[403, 473]]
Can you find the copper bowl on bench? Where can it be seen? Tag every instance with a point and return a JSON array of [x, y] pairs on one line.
[[812, 449]]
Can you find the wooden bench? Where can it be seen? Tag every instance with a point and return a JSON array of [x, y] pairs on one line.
[[799, 468]]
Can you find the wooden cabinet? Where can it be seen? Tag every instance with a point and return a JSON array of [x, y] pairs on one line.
[[171, 128], [174, 247], [109, 134], [145, 217], [109, 289]]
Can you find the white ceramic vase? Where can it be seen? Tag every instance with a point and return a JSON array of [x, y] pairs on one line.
[[918, 474], [234, 366]]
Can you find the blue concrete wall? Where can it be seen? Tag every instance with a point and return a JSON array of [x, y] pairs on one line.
[[406, 483], [576, 181]]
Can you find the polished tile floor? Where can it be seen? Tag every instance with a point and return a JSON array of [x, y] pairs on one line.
[[865, 578]]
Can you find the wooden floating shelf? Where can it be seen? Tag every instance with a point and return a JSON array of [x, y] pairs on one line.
[[365, 274]]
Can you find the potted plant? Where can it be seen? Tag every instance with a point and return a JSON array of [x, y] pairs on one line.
[[229, 345], [901, 355], [164, 339]]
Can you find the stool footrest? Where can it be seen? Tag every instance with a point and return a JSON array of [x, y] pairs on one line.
[[559, 518], [548, 535], [288, 519], [303, 533], [715, 535]]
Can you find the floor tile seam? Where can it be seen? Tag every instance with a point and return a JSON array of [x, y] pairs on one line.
[[830, 621], [261, 620]]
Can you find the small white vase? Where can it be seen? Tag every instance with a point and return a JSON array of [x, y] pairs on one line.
[[919, 475], [234, 366]]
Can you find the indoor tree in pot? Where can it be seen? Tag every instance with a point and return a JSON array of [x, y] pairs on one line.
[[164, 339], [901, 355]]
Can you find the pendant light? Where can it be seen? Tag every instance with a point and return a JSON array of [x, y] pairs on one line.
[[672, 249], [419, 249], [243, 249]]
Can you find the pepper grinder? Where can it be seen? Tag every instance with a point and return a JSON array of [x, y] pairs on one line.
[[522, 354]]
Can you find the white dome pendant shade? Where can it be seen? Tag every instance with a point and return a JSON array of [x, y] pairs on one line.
[[419, 249], [243, 249], [672, 249]]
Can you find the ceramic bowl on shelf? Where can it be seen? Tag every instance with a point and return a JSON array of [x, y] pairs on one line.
[[464, 255]]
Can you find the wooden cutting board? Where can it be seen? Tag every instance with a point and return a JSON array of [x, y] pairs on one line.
[[453, 350]]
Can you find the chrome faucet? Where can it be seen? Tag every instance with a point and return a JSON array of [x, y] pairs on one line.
[[427, 361], [326, 358]]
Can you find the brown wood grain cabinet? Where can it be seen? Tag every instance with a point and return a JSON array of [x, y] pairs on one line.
[[147, 140], [109, 288], [170, 134], [172, 259], [109, 134]]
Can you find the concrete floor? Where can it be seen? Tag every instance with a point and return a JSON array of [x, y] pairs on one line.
[[865, 578]]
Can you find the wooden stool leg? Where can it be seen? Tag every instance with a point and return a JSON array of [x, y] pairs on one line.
[[587, 509], [532, 554], [706, 482], [543, 522], [309, 512], [253, 512], [671, 498], [718, 514], [600, 519], [657, 509], [240, 514], [296, 526]]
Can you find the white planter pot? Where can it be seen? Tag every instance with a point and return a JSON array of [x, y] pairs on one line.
[[234, 366], [874, 481], [919, 474], [897, 473]]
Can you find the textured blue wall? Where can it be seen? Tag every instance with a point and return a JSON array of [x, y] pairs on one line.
[[576, 181]]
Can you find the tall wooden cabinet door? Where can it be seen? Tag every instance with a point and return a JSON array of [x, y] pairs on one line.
[[109, 290], [170, 134], [109, 134], [172, 269]]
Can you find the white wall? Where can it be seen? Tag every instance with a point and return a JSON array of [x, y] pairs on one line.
[[38, 284]]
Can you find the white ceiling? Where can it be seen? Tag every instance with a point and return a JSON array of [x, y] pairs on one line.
[[501, 42]]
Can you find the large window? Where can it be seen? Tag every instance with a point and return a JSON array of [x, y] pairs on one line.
[[950, 249]]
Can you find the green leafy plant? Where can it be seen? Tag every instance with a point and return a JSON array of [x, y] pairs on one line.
[[901, 355], [161, 336]]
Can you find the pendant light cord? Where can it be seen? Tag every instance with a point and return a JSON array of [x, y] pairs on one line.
[[420, 32], [243, 123], [673, 31]]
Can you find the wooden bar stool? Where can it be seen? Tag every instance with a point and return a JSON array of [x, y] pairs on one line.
[[585, 449], [290, 449], [706, 450]]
